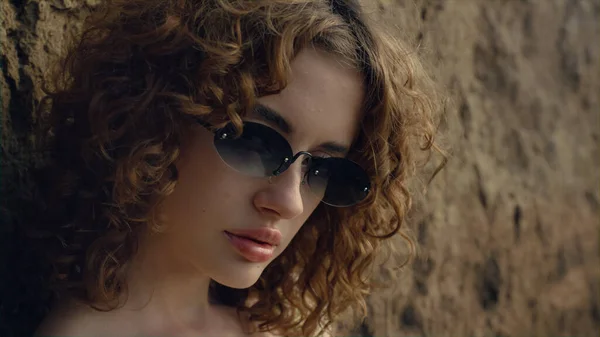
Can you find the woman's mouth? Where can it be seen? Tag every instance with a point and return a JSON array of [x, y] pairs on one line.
[[251, 249]]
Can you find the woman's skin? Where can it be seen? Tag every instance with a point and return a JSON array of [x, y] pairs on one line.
[[322, 103]]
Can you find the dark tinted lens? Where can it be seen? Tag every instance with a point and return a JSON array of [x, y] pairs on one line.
[[340, 182], [258, 152]]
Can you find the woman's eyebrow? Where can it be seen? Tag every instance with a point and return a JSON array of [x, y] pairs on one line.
[[335, 148], [273, 117]]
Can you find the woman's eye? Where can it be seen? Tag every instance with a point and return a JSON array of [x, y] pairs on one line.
[[321, 155]]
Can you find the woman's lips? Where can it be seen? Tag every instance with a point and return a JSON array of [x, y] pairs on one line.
[[252, 250]]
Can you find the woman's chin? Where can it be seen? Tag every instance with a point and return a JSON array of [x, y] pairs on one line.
[[240, 279]]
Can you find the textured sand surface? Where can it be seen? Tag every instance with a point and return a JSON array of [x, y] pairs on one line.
[[509, 231]]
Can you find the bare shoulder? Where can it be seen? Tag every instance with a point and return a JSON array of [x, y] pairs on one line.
[[60, 329], [329, 333], [266, 334], [66, 321], [54, 327]]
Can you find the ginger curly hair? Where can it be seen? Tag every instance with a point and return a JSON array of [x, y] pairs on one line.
[[115, 113]]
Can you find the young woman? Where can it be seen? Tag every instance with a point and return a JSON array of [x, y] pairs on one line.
[[225, 168]]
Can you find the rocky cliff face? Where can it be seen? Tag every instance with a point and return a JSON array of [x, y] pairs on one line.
[[509, 230], [509, 233]]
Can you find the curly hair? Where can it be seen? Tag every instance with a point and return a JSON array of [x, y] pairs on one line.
[[114, 116]]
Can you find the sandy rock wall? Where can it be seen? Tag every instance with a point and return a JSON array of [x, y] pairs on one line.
[[32, 35], [509, 232]]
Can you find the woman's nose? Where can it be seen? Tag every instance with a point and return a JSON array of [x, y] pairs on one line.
[[283, 195]]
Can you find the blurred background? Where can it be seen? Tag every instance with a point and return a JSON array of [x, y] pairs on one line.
[[509, 232]]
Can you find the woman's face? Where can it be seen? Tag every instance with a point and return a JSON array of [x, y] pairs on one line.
[[321, 104]]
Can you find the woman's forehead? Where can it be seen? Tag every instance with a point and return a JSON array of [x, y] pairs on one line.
[[323, 99]]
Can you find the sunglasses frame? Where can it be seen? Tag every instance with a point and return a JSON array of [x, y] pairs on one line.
[[224, 134]]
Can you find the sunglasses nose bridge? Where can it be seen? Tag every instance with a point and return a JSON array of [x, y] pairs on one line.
[[300, 154], [287, 162]]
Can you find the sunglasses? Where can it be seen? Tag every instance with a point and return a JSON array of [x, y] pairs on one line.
[[261, 151]]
